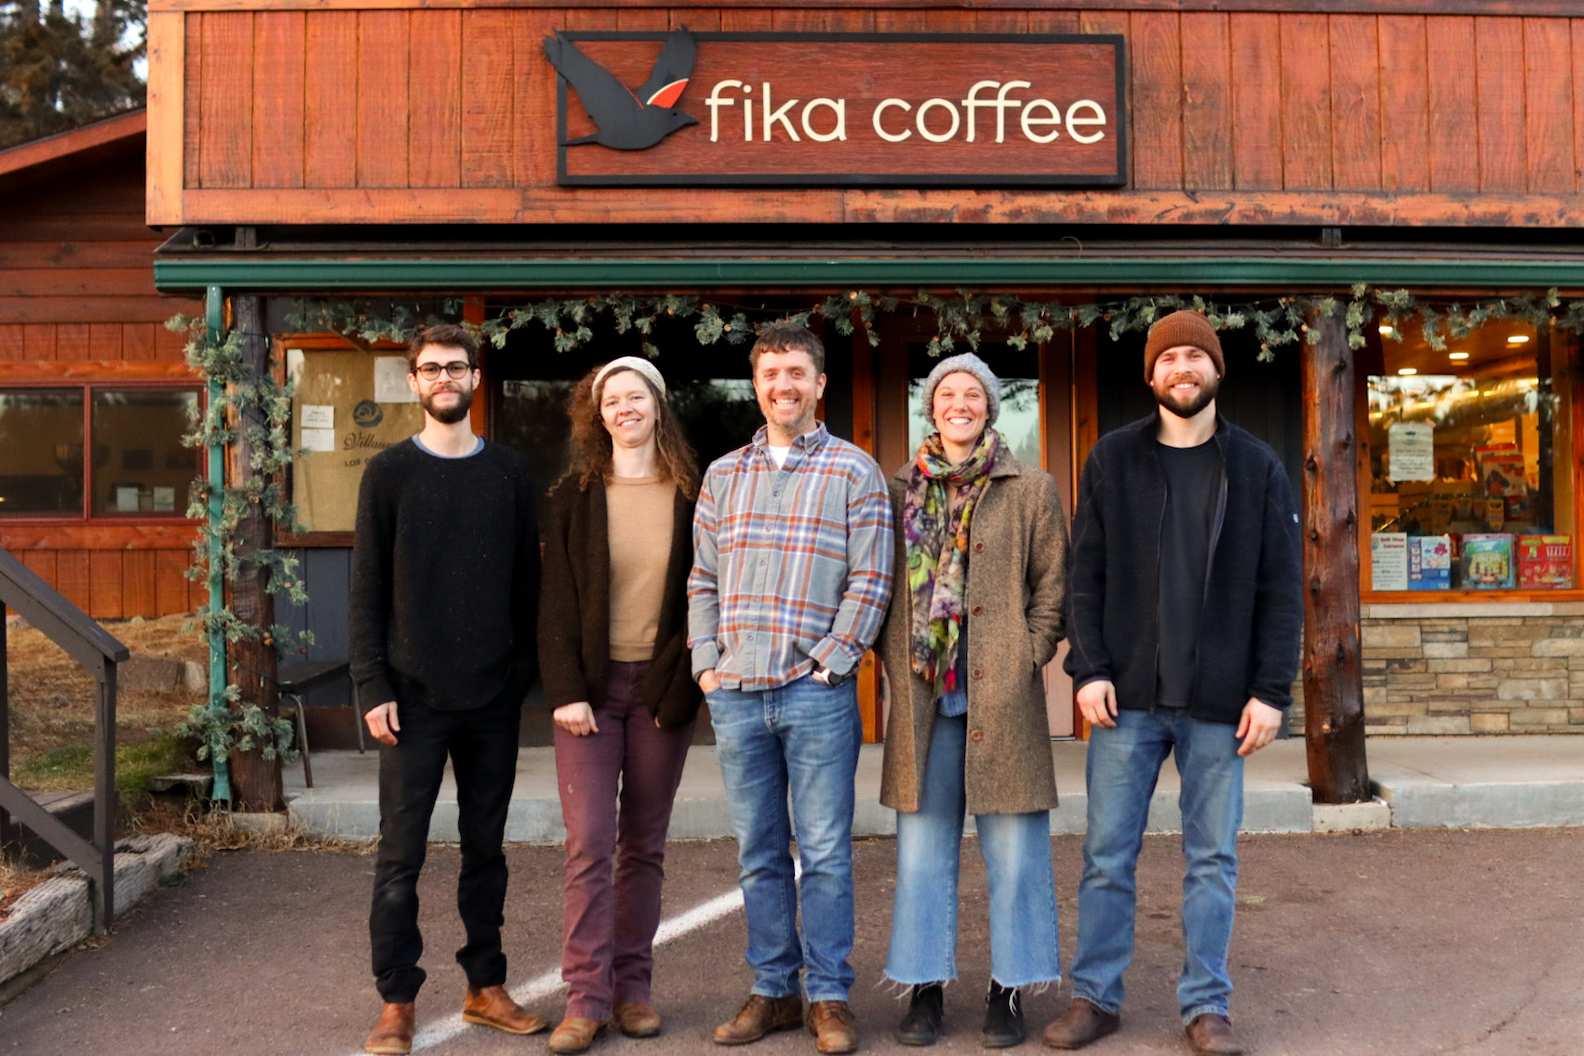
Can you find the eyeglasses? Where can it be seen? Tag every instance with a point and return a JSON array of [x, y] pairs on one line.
[[454, 369]]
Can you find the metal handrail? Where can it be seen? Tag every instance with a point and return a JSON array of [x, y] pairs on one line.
[[98, 652]]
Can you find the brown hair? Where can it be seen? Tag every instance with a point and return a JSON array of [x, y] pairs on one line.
[[787, 337], [591, 442], [446, 335]]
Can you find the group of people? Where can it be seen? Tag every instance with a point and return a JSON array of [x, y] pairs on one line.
[[758, 587]]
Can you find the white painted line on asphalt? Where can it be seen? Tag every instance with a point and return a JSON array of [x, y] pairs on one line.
[[541, 987]]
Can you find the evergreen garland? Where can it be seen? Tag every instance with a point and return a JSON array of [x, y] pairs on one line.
[[225, 722]]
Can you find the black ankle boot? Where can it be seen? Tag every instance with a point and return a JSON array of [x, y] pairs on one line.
[[921, 1025], [1003, 1026]]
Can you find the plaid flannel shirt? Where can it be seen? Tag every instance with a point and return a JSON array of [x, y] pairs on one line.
[[791, 565]]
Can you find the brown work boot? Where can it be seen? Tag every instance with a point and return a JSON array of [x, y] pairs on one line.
[[760, 1015], [831, 1023], [636, 1019], [392, 1035], [1082, 1023], [575, 1035], [1211, 1035], [492, 1006]]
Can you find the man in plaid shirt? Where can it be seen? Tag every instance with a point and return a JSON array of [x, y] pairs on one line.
[[791, 577]]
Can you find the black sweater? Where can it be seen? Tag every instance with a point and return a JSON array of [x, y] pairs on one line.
[[1253, 602], [445, 578], [574, 616]]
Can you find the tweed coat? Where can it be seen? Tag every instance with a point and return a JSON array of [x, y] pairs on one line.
[[574, 607], [1015, 608]]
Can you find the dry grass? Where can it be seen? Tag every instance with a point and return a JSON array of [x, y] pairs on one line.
[[52, 697]]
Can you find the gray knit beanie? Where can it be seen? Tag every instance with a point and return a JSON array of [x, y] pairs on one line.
[[967, 363]]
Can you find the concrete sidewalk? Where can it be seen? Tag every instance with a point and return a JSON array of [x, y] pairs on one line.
[[1421, 782]]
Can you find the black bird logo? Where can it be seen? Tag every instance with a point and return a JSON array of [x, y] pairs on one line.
[[628, 120]]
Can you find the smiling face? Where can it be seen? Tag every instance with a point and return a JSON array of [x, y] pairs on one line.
[[445, 399], [1184, 380], [960, 408], [789, 390], [627, 407]]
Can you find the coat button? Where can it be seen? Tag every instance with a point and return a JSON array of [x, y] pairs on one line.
[[978, 672], [976, 610], [978, 547], [976, 735]]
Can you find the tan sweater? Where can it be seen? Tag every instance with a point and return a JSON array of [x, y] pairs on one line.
[[639, 511]]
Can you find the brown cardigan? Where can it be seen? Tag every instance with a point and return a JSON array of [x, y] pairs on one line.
[[574, 607], [1017, 586]]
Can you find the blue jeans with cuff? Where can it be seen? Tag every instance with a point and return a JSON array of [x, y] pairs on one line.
[[801, 738], [1017, 854], [1124, 763]]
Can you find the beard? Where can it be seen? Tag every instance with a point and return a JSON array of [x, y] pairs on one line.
[[1190, 406], [452, 414]]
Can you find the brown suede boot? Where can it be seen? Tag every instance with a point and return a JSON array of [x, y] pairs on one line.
[[636, 1019], [393, 1034], [760, 1015], [575, 1035], [492, 1006], [1082, 1023], [831, 1023]]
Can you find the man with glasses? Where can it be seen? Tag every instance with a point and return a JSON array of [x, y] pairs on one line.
[[791, 576], [445, 588]]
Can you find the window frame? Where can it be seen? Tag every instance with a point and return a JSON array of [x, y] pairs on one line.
[[85, 515]]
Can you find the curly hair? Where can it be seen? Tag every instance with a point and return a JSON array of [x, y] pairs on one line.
[[591, 442]]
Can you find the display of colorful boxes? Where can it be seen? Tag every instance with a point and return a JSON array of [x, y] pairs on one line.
[[1545, 562], [1487, 561]]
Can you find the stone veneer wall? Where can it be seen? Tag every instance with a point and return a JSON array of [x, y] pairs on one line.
[[1475, 668]]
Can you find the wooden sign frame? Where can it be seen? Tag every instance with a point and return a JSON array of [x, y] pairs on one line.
[[1022, 168]]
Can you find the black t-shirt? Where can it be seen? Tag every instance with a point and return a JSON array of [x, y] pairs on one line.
[[1192, 476]]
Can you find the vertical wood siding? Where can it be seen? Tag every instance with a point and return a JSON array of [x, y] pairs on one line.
[[1247, 102]]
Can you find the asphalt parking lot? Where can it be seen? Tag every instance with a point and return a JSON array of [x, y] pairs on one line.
[[1394, 943]]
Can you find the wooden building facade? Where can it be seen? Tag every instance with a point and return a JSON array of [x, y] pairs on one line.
[[94, 392], [1253, 152]]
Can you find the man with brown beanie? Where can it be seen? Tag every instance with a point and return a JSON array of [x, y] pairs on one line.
[[1184, 615]]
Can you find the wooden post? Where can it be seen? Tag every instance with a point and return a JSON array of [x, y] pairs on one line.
[[1332, 673], [256, 781]]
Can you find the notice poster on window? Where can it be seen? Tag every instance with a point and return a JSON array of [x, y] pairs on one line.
[[1389, 561], [1411, 451], [340, 420]]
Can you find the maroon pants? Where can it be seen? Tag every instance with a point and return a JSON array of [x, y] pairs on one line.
[[617, 787]]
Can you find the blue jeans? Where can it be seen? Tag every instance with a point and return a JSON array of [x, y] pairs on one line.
[[800, 738], [1124, 763], [1017, 856]]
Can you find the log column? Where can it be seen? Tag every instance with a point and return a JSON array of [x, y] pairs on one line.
[[1332, 671], [256, 781]]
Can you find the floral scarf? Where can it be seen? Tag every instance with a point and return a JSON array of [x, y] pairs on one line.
[[937, 546]]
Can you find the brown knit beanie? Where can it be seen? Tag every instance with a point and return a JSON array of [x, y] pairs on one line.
[[1182, 328]]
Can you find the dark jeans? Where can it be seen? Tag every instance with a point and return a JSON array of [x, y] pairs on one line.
[[482, 746], [617, 787]]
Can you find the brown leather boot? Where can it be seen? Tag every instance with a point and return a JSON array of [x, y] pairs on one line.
[[760, 1015], [831, 1023], [636, 1019], [492, 1006], [1211, 1035], [1082, 1023], [393, 1034], [575, 1035]]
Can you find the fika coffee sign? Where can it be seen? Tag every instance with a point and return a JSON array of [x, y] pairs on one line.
[[873, 109]]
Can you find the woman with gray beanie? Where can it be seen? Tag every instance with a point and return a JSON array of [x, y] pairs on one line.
[[976, 614]]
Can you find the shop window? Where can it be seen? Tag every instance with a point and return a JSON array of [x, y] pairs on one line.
[[96, 451], [1469, 485]]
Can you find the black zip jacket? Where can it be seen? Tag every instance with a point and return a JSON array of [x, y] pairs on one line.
[[1253, 599]]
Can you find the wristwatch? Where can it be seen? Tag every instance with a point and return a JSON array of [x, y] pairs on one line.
[[831, 678]]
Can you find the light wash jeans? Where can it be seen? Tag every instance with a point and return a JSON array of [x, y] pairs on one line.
[[1017, 854], [800, 738], [1124, 763]]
